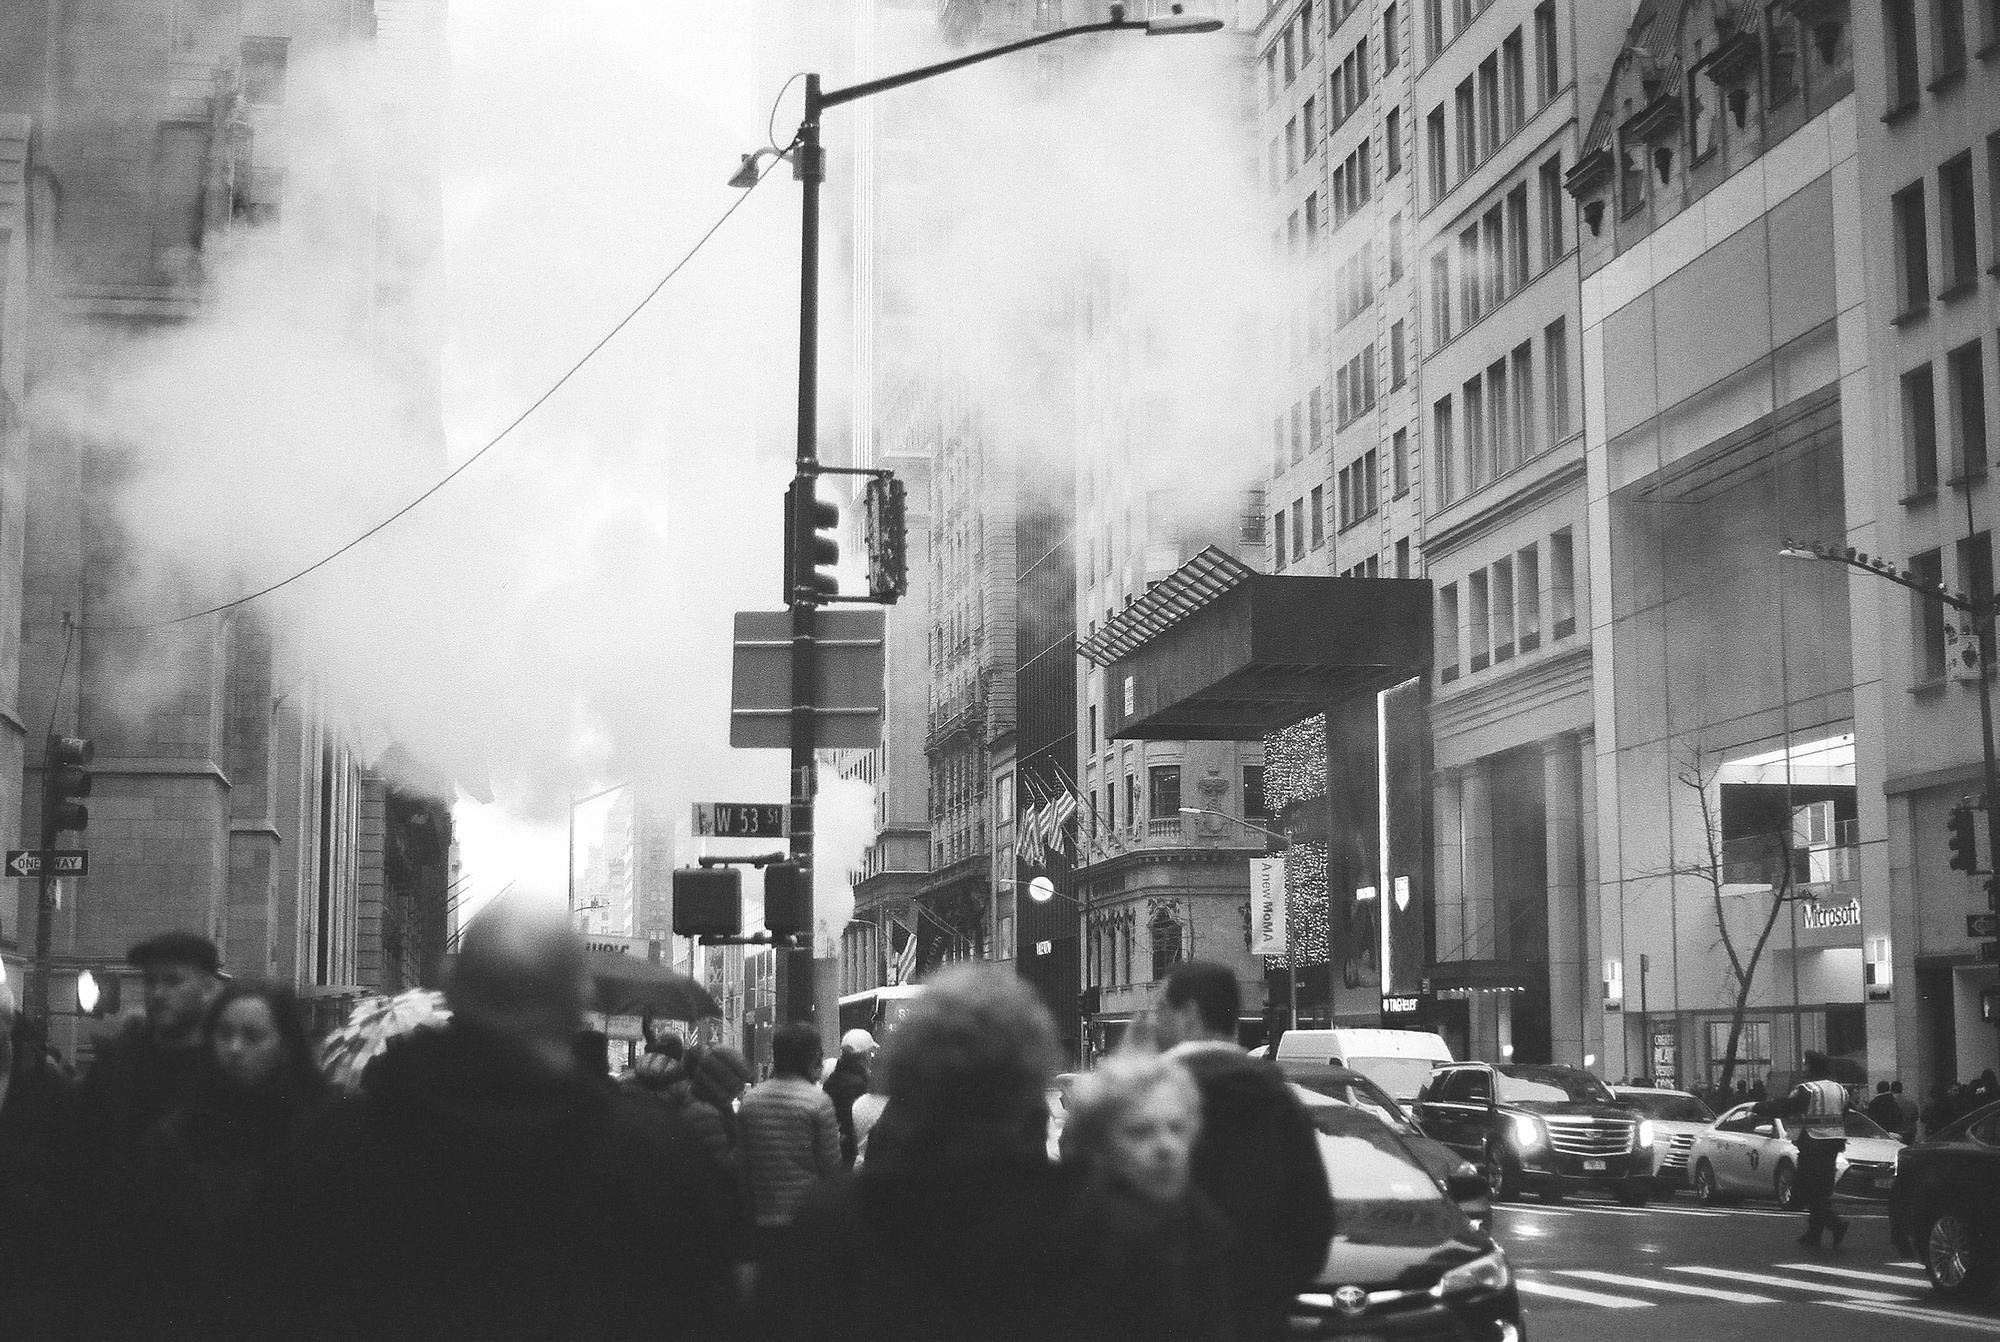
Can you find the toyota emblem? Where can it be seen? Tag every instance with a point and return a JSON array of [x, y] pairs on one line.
[[1350, 1299]]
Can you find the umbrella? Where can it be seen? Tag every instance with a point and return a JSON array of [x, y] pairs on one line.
[[631, 985], [346, 1052]]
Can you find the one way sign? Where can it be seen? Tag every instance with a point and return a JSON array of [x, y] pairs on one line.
[[62, 861]]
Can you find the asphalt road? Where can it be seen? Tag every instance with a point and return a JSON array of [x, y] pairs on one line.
[[1590, 1270]]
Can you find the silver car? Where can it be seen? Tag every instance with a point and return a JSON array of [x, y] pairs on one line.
[[1745, 1154]]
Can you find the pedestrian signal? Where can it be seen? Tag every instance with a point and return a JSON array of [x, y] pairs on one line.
[[787, 902], [1964, 847], [708, 902]]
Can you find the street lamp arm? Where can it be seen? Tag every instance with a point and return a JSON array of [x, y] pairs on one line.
[[1235, 820], [1881, 569], [868, 88]]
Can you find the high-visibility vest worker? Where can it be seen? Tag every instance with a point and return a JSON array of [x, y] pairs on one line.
[[1826, 1102]]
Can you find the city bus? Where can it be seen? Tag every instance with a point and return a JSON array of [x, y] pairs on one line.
[[879, 1010]]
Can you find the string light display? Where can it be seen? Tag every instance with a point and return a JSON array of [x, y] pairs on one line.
[[1295, 771]]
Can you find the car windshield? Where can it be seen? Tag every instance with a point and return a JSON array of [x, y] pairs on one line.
[[1401, 1077], [1665, 1106], [1354, 1090], [1552, 1085], [1380, 1195]]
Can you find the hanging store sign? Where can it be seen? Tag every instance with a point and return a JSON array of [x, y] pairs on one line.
[[1267, 904]]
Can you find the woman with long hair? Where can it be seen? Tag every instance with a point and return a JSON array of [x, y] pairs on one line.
[[198, 1270]]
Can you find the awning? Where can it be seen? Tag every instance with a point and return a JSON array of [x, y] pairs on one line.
[[1217, 652]]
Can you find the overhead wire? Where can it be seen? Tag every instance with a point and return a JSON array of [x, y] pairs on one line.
[[451, 475]]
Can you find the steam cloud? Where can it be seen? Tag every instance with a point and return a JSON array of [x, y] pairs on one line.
[[559, 617]]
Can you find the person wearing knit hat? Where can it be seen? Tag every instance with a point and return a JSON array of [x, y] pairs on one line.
[[847, 1083]]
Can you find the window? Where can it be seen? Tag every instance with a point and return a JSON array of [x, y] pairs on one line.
[[1478, 621], [1363, 174], [1965, 376], [1513, 85], [1278, 532], [1781, 58], [1548, 66], [1472, 417], [1492, 258], [1298, 530], [1371, 480], [1993, 178], [1920, 430], [1503, 610], [1958, 224], [1468, 129], [1403, 557], [1392, 146], [1499, 429], [1312, 219], [1899, 32], [1131, 801], [1396, 242], [1397, 371], [1555, 375], [1704, 114], [1470, 291], [1093, 729], [1441, 299], [1271, 75], [1975, 565], [1315, 412], [1447, 631], [1433, 28], [1631, 175], [1399, 464], [1165, 930], [1442, 451], [1305, 31], [1291, 147], [1927, 616], [1555, 202], [264, 61], [1948, 34], [1308, 127], [1318, 516], [1562, 584], [1434, 151], [1291, 56], [1523, 427], [1528, 600], [1489, 106], [1392, 38], [1254, 806], [1163, 792], [1517, 238]]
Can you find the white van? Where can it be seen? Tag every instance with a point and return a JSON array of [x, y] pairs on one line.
[[1399, 1061]]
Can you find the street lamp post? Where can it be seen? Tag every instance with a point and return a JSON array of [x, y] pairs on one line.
[[794, 979]]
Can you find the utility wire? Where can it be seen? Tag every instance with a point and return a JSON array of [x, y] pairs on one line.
[[459, 469]]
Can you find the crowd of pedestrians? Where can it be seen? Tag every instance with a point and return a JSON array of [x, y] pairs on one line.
[[490, 1178]]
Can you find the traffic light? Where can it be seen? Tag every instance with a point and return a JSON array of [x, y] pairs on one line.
[[98, 992], [787, 899], [1964, 847], [810, 571], [888, 548], [708, 902], [65, 779]]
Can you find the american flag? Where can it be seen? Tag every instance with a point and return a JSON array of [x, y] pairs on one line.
[[903, 960]]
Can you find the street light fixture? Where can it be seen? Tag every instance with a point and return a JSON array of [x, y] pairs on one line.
[[809, 168]]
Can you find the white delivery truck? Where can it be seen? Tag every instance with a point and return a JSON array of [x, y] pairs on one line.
[[1399, 1061]]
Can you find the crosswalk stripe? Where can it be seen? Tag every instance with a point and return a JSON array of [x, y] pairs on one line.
[[1962, 1322], [1849, 1274], [1670, 1287], [1549, 1288], [1765, 1279]]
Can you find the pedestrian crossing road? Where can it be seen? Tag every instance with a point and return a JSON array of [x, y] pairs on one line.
[[1673, 1270]]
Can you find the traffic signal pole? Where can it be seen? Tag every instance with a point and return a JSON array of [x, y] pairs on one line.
[[36, 1007], [794, 979]]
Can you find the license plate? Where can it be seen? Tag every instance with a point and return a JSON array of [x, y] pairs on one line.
[[1593, 1164], [1886, 1184]]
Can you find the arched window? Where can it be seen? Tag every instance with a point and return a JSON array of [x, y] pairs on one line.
[[1166, 930]]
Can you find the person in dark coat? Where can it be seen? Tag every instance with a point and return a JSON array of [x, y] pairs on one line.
[[35, 1103], [1884, 1110], [1131, 1130], [662, 1075], [1258, 1159], [480, 1186], [198, 1269], [847, 1083], [958, 1225], [718, 1077]]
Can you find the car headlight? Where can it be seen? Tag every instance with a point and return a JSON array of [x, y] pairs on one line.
[[1484, 1274], [1527, 1131], [1645, 1132]]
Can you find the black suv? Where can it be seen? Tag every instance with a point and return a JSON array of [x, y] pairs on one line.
[[1539, 1126]]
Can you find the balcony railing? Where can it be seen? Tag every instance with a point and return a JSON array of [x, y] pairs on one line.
[[1164, 827]]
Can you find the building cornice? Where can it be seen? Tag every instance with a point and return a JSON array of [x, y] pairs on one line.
[[1538, 680], [1558, 480]]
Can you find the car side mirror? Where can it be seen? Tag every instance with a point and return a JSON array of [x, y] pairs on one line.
[[1467, 1187], [1766, 1129]]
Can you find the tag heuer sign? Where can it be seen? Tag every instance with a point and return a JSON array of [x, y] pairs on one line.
[[739, 820]]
